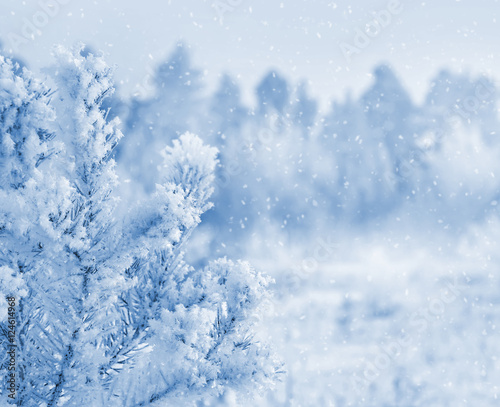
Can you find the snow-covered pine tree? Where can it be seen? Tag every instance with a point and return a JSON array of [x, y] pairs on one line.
[[227, 113], [304, 109], [273, 94], [198, 321], [175, 106], [34, 208], [110, 315]]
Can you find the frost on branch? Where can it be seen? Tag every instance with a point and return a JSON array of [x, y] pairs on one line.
[[109, 312], [199, 322]]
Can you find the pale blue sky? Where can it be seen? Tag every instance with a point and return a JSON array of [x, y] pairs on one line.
[[300, 38]]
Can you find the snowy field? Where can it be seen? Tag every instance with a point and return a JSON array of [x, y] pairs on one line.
[[391, 322]]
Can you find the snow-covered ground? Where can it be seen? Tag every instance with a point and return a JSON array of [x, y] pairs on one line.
[[388, 320]]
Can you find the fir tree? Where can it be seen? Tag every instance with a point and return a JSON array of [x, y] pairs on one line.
[[109, 313]]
